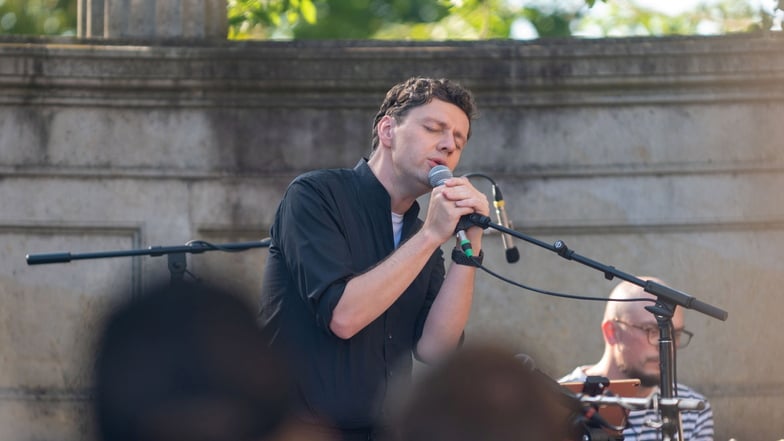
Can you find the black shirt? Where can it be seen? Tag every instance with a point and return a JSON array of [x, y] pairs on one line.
[[331, 226]]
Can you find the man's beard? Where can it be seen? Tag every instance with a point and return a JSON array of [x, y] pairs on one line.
[[646, 380]]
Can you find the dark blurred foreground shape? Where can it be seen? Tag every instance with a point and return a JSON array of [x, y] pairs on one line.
[[482, 392], [189, 363]]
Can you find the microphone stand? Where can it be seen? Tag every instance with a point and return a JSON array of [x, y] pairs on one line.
[[667, 300], [671, 422], [177, 261]]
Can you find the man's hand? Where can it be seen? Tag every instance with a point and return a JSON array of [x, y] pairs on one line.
[[449, 202]]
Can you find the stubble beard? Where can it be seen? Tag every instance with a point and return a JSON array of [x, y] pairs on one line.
[[646, 379]]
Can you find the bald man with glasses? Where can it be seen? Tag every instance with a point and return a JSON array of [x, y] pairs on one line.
[[631, 350]]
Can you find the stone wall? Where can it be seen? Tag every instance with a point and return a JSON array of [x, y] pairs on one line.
[[658, 156]]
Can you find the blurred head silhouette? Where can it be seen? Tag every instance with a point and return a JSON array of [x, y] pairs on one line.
[[188, 363], [483, 392]]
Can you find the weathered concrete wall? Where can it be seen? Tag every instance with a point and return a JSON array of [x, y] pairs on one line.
[[657, 156]]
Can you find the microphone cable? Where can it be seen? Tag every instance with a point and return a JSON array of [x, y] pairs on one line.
[[554, 293], [497, 194]]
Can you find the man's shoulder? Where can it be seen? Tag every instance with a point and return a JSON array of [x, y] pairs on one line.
[[325, 175], [578, 374], [687, 392], [322, 181]]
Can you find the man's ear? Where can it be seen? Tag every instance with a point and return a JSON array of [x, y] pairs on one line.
[[385, 129], [608, 330]]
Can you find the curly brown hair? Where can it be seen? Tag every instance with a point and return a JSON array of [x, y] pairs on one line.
[[417, 91]]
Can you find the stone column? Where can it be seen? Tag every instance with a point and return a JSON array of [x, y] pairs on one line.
[[166, 19], [89, 18]]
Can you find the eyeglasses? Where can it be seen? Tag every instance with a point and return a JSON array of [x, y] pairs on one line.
[[682, 337]]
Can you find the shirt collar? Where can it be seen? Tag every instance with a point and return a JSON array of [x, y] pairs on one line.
[[371, 187]]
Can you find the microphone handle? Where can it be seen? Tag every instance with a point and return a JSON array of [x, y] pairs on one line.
[[437, 176]]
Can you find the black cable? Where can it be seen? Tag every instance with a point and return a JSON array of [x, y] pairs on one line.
[[537, 290], [481, 175], [553, 293]]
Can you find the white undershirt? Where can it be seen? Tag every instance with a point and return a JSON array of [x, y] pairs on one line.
[[397, 227]]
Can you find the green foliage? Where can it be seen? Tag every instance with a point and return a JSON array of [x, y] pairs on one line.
[[362, 19], [38, 17], [476, 19], [268, 18], [555, 23], [395, 19], [429, 19], [326, 19], [482, 18], [625, 18]]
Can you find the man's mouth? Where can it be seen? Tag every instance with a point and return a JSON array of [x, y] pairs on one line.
[[435, 162]]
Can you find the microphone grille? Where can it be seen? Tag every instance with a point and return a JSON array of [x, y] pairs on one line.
[[526, 361], [438, 175]]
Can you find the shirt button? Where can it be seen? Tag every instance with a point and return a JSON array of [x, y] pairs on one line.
[[389, 336]]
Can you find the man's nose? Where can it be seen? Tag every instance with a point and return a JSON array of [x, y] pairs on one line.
[[447, 142]]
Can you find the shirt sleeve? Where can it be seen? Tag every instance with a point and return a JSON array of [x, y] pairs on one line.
[[703, 429], [311, 235], [437, 273]]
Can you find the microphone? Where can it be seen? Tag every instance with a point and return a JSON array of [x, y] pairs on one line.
[[572, 407], [437, 176], [566, 396], [512, 255], [530, 365]]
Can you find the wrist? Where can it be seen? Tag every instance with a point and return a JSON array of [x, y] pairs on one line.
[[427, 239], [460, 258]]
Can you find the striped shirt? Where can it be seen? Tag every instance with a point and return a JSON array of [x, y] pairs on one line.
[[697, 425]]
